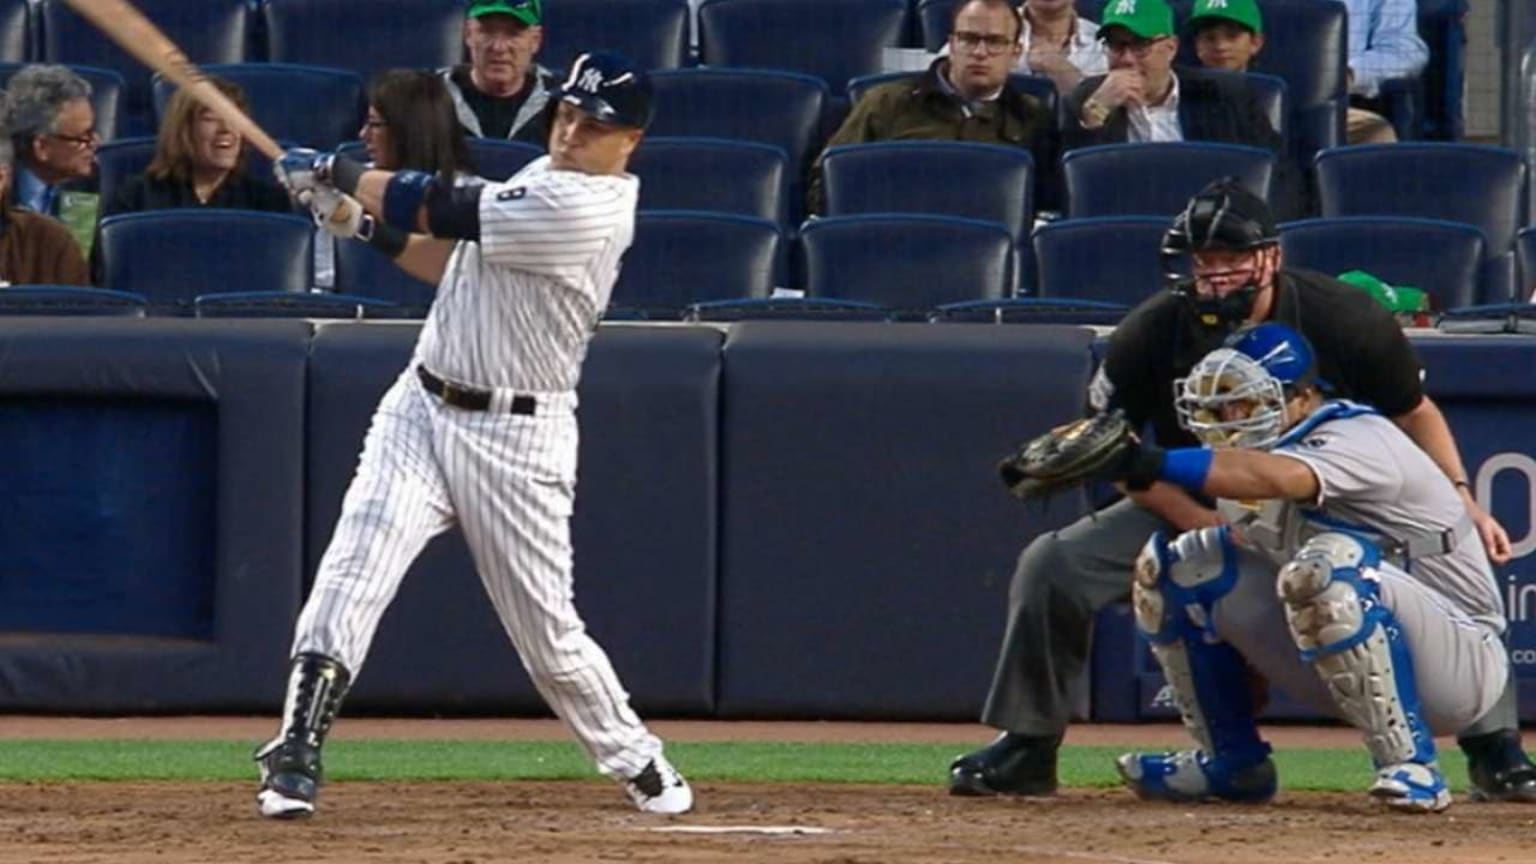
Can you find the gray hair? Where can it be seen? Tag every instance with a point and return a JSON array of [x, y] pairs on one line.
[[35, 95]]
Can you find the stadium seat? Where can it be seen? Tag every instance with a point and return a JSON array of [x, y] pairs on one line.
[[906, 262], [1442, 258], [497, 159], [1038, 86], [16, 31], [312, 106], [1273, 97], [119, 160], [69, 300], [368, 38], [1114, 259], [1032, 310], [173, 256], [651, 33], [209, 31], [933, 17], [835, 40], [1526, 251], [291, 304], [1156, 179], [362, 271], [107, 89], [783, 109], [787, 309], [714, 175], [683, 257], [1480, 185]]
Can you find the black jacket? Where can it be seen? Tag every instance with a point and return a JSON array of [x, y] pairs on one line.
[[240, 192]]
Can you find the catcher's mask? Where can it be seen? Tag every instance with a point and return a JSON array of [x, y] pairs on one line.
[[1222, 216], [1236, 396]]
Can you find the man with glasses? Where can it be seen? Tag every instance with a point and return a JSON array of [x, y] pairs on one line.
[[1228, 239], [53, 132], [502, 92], [964, 96], [34, 249]]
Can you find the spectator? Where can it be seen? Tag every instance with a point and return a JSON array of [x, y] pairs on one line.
[[1383, 43], [54, 141], [1060, 44], [1228, 34], [199, 161], [502, 92], [34, 249], [962, 97], [411, 124]]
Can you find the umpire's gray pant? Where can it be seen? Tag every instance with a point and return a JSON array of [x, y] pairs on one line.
[[1063, 579]]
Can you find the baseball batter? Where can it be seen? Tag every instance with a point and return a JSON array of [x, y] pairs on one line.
[[1350, 576], [480, 429]]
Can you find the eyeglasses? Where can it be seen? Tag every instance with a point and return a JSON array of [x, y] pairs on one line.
[[1136, 47], [990, 45], [373, 125], [81, 142]]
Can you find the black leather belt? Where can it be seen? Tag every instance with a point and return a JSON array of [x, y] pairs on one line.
[[469, 398]]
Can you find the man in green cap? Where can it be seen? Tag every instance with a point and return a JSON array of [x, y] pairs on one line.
[[502, 92], [1228, 33]]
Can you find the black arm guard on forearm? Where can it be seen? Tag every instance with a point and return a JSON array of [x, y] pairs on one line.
[[345, 174], [383, 237]]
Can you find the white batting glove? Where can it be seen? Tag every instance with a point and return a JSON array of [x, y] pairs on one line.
[[338, 213], [300, 169]]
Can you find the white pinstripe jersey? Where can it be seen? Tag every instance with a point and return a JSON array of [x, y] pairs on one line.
[[517, 309]]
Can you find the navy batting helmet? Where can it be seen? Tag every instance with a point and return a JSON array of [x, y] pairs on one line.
[[610, 88]]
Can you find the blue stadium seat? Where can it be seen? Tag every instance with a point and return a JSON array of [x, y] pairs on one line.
[[1526, 252], [1272, 94], [362, 271], [1115, 259], [209, 31], [498, 159], [1032, 310], [1442, 258], [835, 40], [906, 262], [16, 31], [683, 257], [173, 256], [119, 160], [1156, 179], [714, 175], [291, 304], [107, 89], [69, 300], [366, 38], [1038, 86], [651, 33], [933, 17], [783, 109], [313, 106], [1479, 185], [950, 178]]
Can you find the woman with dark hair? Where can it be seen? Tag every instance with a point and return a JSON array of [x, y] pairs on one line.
[[199, 161], [411, 125]]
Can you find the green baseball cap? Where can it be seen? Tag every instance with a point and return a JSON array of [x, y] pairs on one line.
[[526, 11], [1243, 12], [1148, 19]]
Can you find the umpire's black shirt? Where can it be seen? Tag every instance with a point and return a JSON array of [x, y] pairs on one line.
[[1361, 351]]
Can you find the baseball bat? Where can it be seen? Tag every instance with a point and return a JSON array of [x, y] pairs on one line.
[[137, 35]]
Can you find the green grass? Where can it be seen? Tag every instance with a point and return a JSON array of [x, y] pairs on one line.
[[27, 760]]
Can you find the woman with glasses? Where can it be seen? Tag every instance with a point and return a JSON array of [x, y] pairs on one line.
[[199, 161], [411, 125]]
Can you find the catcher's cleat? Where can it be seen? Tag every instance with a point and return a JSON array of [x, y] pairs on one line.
[[659, 788], [1411, 787], [1011, 765], [1190, 775], [290, 779], [1499, 769]]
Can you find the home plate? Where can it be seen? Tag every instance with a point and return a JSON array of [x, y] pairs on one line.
[[770, 830]]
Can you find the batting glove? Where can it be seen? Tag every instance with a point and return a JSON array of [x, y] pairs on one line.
[[338, 213], [300, 169]]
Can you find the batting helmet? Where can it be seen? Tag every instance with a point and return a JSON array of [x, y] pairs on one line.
[[610, 88]]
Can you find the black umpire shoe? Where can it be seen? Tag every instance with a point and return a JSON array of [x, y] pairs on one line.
[[290, 779], [1014, 764], [1499, 769]]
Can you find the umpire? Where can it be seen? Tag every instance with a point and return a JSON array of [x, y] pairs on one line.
[[1065, 577]]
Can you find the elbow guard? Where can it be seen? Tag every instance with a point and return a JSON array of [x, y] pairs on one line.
[[403, 196], [455, 212]]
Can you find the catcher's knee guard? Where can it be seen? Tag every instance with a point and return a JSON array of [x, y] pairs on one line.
[[1332, 596], [1176, 587]]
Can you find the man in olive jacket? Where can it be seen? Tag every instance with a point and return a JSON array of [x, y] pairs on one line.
[[962, 97]]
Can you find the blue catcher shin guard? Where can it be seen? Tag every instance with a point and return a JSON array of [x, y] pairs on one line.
[[1332, 597], [1174, 594]]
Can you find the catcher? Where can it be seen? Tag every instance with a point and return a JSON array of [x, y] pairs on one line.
[[1349, 574]]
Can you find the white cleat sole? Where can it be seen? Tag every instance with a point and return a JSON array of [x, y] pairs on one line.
[[275, 805]]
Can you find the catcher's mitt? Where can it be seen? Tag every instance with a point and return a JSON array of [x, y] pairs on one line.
[[1098, 447]]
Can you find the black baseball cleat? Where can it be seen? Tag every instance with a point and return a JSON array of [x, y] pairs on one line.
[[1499, 769], [1012, 765], [290, 779]]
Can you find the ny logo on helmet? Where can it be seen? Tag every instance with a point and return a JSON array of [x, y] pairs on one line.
[[590, 80]]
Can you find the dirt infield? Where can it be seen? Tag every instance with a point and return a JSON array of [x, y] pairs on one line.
[[479, 823]]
